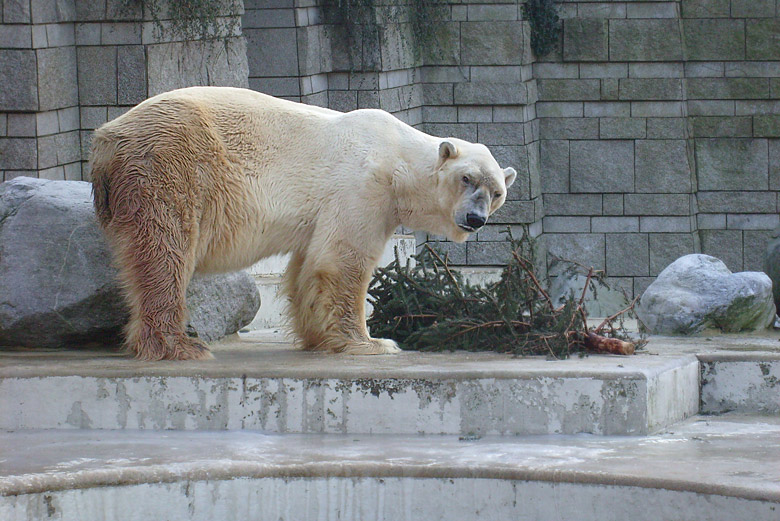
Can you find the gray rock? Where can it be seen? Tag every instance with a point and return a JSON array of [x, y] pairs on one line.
[[698, 292], [772, 265], [58, 286]]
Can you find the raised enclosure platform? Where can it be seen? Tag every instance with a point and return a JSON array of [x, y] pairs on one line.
[[266, 431]]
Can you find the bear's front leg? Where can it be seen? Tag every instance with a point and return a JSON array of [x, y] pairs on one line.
[[328, 306]]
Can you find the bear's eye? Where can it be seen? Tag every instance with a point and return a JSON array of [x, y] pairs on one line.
[[466, 180]]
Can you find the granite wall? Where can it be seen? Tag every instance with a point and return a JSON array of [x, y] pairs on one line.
[[67, 66]]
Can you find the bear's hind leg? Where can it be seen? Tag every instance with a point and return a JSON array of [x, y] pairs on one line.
[[156, 264]]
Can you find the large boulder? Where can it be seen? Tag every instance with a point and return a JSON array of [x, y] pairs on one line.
[[772, 265], [58, 287], [698, 292]]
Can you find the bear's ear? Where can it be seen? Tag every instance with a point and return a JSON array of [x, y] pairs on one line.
[[447, 150], [509, 176]]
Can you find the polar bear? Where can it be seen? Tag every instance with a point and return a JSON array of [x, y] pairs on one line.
[[213, 179]]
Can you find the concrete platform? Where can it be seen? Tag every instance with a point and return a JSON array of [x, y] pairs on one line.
[[259, 381], [714, 468]]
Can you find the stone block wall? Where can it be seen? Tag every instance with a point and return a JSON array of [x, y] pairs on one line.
[[658, 130], [69, 66], [473, 81]]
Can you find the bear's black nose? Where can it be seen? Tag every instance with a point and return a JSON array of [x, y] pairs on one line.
[[475, 220]]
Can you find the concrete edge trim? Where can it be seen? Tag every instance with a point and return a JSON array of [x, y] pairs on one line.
[[36, 484]]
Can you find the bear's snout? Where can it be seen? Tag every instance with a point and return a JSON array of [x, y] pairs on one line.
[[475, 220]]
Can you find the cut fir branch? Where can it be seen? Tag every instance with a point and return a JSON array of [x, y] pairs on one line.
[[429, 306]]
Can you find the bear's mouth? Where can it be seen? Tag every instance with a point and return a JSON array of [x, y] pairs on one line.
[[466, 227]]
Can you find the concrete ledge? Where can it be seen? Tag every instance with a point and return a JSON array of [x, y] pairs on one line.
[[698, 468], [259, 384]]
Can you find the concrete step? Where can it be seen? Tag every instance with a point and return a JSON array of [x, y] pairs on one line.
[[714, 468], [259, 381]]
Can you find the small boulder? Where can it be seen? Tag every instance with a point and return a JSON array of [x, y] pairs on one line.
[[58, 286], [698, 292]]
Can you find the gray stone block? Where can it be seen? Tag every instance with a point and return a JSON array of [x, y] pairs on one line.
[[756, 107], [704, 69], [559, 109], [615, 224], [714, 39], [566, 224], [622, 128], [766, 126], [602, 166], [612, 204], [563, 90], [274, 52], [655, 70], [611, 109], [68, 119], [732, 164], [456, 253], [498, 74], [651, 10], [488, 253], [20, 92], [752, 221], [754, 246], [262, 18], [467, 131], [705, 8], [557, 70], [569, 128], [657, 204], [710, 221], [572, 204], [93, 117], [774, 164], [120, 33], [492, 12], [500, 133], [343, 100], [441, 74], [752, 8], [728, 88], [666, 128], [518, 212], [722, 126], [25, 124], [666, 224], [554, 165], [18, 154], [57, 78], [276, 86], [73, 172], [725, 245], [491, 43], [131, 74], [658, 109], [763, 39], [644, 40], [518, 158], [52, 11], [15, 36], [217, 62], [737, 202], [438, 94], [603, 70], [627, 255], [711, 107], [610, 89], [585, 39], [586, 248], [650, 89], [440, 114], [487, 94], [662, 166], [15, 11], [471, 114], [97, 74], [42, 124]]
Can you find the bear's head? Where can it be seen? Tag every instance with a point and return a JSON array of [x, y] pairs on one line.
[[472, 186]]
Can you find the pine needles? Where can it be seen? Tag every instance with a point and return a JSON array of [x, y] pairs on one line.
[[429, 306]]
